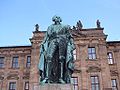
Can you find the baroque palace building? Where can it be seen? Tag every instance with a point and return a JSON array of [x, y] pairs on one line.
[[97, 62]]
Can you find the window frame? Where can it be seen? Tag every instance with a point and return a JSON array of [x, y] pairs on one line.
[[2, 62], [95, 82], [15, 64], [12, 83], [114, 86], [110, 58], [75, 54], [75, 85], [28, 62], [92, 53], [25, 85]]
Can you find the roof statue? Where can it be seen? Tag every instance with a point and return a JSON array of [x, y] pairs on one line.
[[98, 24], [74, 28], [36, 27], [79, 25]]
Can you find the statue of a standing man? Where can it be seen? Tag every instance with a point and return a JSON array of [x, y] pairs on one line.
[[98, 24], [56, 54], [79, 25]]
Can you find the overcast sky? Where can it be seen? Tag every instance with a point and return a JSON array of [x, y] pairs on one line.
[[18, 17]]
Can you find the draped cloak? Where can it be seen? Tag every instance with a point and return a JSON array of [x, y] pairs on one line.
[[69, 66]]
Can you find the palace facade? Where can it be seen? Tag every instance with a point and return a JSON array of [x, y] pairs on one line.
[[97, 62]]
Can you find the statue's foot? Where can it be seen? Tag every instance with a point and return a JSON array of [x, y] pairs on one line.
[[61, 81], [46, 80], [49, 81]]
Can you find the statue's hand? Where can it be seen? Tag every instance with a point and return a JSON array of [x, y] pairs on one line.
[[53, 34]]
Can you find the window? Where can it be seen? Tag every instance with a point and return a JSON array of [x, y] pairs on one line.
[[74, 54], [12, 86], [74, 81], [28, 62], [26, 86], [15, 62], [95, 83], [114, 84], [91, 53], [110, 58], [1, 62]]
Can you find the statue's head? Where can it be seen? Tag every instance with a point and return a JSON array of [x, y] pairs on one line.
[[56, 19]]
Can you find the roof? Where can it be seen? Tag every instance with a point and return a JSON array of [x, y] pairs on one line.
[[113, 43], [26, 46], [108, 42]]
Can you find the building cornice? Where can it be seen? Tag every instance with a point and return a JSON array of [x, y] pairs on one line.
[[27, 46]]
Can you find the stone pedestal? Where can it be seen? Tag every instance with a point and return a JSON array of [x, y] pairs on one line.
[[54, 87]]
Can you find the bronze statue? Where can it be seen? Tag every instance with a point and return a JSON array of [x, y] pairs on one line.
[[56, 54], [98, 24], [79, 25], [36, 27], [74, 28]]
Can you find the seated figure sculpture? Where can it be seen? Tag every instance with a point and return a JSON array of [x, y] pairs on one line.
[[56, 54]]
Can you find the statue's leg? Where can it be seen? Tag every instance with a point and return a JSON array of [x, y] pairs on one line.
[[48, 70], [61, 73], [50, 53], [62, 56]]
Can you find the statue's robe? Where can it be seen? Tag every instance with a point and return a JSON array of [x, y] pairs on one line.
[[68, 66]]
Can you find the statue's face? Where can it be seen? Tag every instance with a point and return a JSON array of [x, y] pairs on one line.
[[56, 19]]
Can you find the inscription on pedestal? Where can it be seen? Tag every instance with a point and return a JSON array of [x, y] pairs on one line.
[[54, 87]]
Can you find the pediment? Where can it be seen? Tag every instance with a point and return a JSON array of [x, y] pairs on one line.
[[26, 75], [114, 72], [1, 75], [13, 76], [77, 71], [77, 33], [93, 69]]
